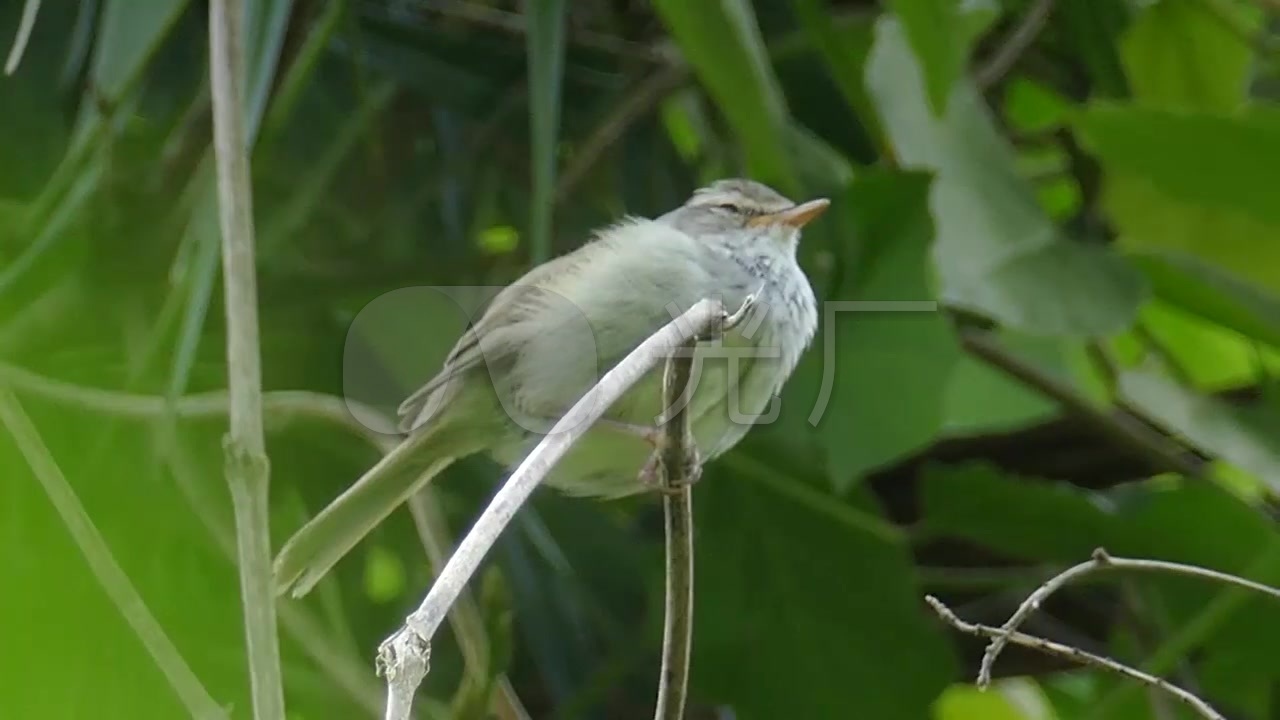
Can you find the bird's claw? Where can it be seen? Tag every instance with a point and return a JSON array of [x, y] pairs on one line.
[[653, 475]]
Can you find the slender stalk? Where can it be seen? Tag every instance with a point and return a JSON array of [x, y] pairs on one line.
[[1013, 46], [403, 657], [1074, 653], [248, 471], [281, 406], [25, 25], [677, 459], [103, 564]]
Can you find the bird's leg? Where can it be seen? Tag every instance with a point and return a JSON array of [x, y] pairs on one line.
[[651, 434]]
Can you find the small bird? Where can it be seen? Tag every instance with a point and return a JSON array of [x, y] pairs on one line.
[[547, 338]]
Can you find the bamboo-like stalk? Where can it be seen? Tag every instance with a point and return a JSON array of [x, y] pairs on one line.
[[248, 471]]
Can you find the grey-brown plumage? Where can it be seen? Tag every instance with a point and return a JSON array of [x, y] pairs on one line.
[[544, 341]]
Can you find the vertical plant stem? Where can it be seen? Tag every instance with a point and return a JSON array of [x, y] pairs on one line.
[[103, 564], [677, 462], [546, 64], [248, 471]]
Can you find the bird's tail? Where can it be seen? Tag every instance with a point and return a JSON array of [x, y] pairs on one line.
[[326, 538]]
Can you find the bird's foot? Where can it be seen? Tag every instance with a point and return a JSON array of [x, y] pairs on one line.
[[654, 476]]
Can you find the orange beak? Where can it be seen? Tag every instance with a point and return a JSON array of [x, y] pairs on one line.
[[796, 216]]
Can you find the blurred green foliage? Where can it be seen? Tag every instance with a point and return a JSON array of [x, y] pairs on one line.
[[1100, 205]]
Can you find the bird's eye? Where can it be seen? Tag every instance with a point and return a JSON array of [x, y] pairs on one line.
[[730, 207]]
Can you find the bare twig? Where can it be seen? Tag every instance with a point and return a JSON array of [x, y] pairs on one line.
[[403, 656], [103, 564], [25, 25], [248, 471], [1100, 562], [1073, 653], [468, 626], [1004, 58]]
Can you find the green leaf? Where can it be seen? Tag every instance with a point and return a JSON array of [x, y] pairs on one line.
[[931, 27], [1011, 699], [1032, 107], [1192, 182], [1208, 356], [1244, 435], [722, 42], [981, 399], [1091, 31], [839, 616], [265, 28], [1180, 54], [129, 33], [1222, 161], [996, 252], [887, 370], [1208, 292], [1030, 519], [546, 68]]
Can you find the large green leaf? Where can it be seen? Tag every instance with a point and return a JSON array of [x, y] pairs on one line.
[[1029, 519], [1187, 178], [1182, 54], [1194, 182], [1012, 699], [800, 617], [932, 27], [1242, 435], [886, 367], [1201, 289], [1092, 30], [1208, 357], [722, 42], [981, 398], [995, 252], [1211, 160]]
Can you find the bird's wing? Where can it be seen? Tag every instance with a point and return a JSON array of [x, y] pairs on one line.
[[488, 339]]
